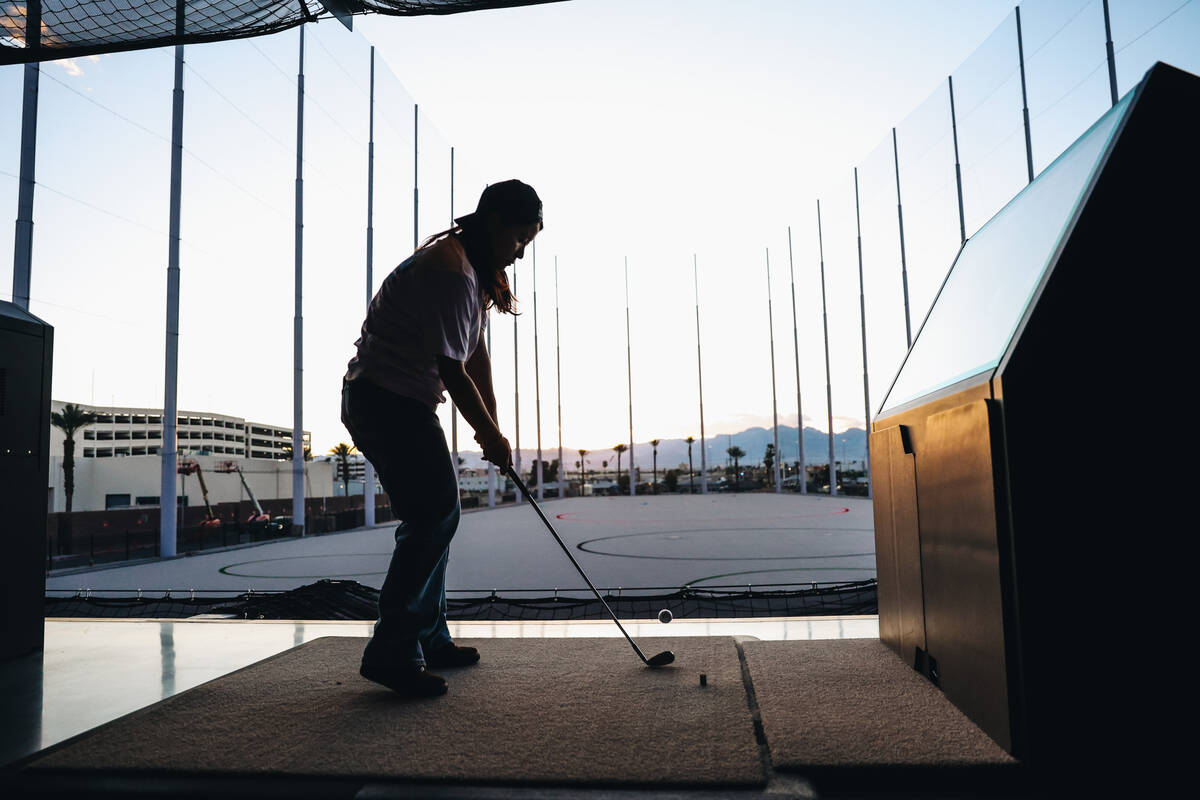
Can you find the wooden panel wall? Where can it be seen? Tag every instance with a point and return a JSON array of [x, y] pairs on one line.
[[897, 543], [960, 563]]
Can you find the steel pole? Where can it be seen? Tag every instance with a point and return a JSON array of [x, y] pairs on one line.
[[774, 401], [558, 381], [962, 221], [828, 382], [491, 468], [168, 530], [516, 394], [537, 384], [862, 312], [23, 238], [1112, 58], [1024, 98], [454, 408], [629, 383], [700, 381], [298, 321], [416, 167], [803, 473], [368, 467], [903, 265]]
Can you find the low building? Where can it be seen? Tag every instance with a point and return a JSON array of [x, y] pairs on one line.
[[117, 462], [132, 481], [124, 431]]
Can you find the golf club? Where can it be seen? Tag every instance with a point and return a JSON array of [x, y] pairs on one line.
[[660, 660]]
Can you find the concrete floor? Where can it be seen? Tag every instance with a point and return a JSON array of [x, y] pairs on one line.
[[656, 541]]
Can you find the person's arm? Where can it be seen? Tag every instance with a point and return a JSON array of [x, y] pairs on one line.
[[471, 404], [479, 368]]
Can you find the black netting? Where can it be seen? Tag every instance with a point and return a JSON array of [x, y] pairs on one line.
[[339, 599], [72, 28], [844, 599]]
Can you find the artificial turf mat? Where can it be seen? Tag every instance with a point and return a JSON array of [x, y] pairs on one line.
[[573, 711], [853, 704]]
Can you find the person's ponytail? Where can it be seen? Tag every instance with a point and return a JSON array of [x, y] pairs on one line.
[[499, 294]]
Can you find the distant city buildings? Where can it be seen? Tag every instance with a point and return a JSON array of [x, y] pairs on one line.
[[117, 462], [122, 431]]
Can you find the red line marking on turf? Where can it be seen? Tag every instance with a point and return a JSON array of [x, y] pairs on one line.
[[575, 516]]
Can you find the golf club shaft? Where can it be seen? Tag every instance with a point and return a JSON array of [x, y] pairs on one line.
[[524, 490]]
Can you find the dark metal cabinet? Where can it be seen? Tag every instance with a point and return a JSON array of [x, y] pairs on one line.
[[1029, 561], [26, 345]]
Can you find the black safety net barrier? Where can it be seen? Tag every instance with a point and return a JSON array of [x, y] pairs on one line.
[[71, 28], [350, 600]]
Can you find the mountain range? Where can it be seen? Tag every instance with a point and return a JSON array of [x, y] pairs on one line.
[[849, 445]]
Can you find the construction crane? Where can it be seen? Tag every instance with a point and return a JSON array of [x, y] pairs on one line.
[[187, 466], [259, 516]]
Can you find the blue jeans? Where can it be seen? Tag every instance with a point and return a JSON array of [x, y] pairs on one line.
[[404, 441]]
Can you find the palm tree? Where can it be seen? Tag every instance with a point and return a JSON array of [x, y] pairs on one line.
[[654, 444], [69, 420], [582, 469], [691, 477], [343, 451], [619, 449], [735, 453]]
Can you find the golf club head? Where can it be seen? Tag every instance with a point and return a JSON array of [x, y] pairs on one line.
[[662, 659]]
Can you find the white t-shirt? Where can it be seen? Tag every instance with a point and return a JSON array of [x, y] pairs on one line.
[[428, 306]]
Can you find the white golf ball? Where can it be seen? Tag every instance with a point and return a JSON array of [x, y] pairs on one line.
[[664, 616]]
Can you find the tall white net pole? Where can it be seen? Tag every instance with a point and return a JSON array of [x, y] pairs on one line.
[[516, 397], [368, 467], [454, 408], [537, 383], [774, 401], [558, 381], [491, 468], [802, 473], [629, 380], [828, 382], [700, 381], [168, 530], [23, 241], [298, 320], [862, 312]]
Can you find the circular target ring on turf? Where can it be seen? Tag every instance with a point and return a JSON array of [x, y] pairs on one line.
[[737, 539], [369, 563], [696, 583], [579, 516]]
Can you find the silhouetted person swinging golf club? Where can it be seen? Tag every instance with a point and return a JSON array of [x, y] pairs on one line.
[[424, 333]]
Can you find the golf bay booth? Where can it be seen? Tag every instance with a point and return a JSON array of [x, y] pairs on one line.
[[1020, 560]]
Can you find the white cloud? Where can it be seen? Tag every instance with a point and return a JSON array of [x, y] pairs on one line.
[[70, 66]]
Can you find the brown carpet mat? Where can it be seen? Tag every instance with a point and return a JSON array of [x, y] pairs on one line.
[[577, 711], [854, 703]]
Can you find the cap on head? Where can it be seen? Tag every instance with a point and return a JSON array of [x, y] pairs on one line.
[[515, 202]]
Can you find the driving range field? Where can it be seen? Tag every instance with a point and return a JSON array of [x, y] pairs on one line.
[[664, 541]]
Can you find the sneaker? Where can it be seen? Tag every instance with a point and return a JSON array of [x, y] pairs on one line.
[[412, 681], [452, 655]]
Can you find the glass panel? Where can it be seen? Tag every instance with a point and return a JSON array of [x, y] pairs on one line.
[[974, 317]]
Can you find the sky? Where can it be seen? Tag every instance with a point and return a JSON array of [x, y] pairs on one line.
[[667, 134]]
